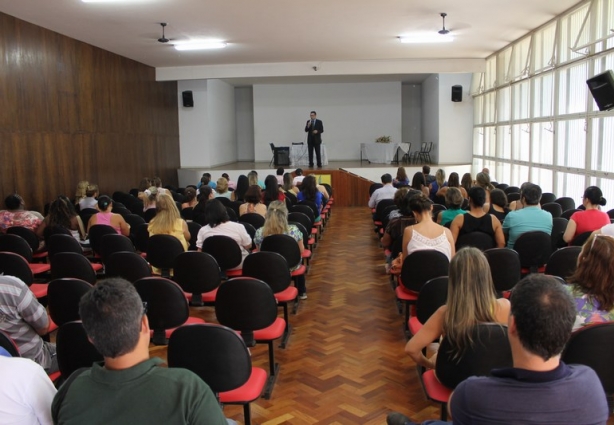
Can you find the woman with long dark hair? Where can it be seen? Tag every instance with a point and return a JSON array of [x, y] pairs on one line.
[[272, 192], [242, 185], [309, 192]]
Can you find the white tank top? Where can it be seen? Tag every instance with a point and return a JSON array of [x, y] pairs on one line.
[[420, 242]]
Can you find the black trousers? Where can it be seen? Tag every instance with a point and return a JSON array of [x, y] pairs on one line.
[[311, 147]]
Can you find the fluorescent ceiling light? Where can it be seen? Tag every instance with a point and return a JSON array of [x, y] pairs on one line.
[[426, 38], [199, 44]]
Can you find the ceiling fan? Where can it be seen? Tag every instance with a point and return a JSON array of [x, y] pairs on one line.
[[443, 31], [163, 39]]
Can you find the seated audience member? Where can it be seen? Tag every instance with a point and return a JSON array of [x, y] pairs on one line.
[[149, 197], [298, 179], [198, 214], [218, 223], [471, 300], [279, 175], [289, 189], [90, 201], [401, 179], [467, 182], [62, 213], [157, 182], [272, 191], [592, 284], [253, 204], [517, 205], [387, 191], [454, 201], [403, 217], [232, 185], [483, 180], [17, 215], [309, 192], [540, 388], [276, 223], [221, 188], [106, 217], [419, 183], [80, 192], [129, 387], [190, 198], [498, 204], [399, 195], [242, 185], [26, 393], [428, 178], [440, 181], [252, 176], [530, 218], [24, 319], [205, 180], [476, 220], [168, 221], [452, 182], [426, 234], [589, 220]]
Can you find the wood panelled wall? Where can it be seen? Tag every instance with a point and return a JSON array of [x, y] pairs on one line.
[[70, 111], [349, 189]]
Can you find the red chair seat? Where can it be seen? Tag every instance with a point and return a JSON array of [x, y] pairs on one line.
[[404, 295], [52, 325], [234, 273], [378, 223], [38, 268], [414, 325], [525, 271], [249, 391], [209, 297], [300, 271], [190, 321], [288, 294], [39, 255], [39, 289], [306, 253], [55, 376], [311, 241], [435, 390], [97, 266], [276, 330]]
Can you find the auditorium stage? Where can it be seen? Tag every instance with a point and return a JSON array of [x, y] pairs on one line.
[[363, 169]]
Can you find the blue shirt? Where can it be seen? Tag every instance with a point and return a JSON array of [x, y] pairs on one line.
[[528, 219]]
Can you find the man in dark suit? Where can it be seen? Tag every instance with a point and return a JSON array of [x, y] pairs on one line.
[[314, 129]]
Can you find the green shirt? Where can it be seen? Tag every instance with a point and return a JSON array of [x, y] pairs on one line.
[[142, 394]]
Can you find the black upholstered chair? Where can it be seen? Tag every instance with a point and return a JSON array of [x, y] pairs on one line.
[[74, 350], [63, 296], [433, 295], [218, 355], [12, 264], [69, 264], [563, 262], [96, 234], [128, 265], [505, 268], [479, 240], [254, 219], [161, 252], [534, 249], [226, 252], [198, 274], [18, 245], [114, 242]]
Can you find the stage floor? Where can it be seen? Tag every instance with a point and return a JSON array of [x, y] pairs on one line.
[[363, 169]]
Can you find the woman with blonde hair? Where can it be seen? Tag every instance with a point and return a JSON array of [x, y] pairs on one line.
[[149, 197], [440, 181], [221, 188], [483, 180], [80, 192], [90, 201], [168, 221], [471, 300], [276, 223], [592, 284]]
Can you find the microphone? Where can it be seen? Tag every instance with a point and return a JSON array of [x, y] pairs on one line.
[[308, 123]]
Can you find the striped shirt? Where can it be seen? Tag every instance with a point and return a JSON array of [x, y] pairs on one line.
[[20, 315]]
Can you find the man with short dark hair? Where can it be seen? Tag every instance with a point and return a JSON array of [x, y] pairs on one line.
[[314, 129], [528, 219], [387, 191], [539, 389], [426, 170], [129, 387]]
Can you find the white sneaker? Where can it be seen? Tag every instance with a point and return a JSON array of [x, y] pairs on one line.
[[303, 296]]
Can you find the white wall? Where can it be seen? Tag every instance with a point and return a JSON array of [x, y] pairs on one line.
[[351, 112], [430, 114], [207, 132], [455, 121], [244, 102], [193, 147], [412, 113], [222, 134]]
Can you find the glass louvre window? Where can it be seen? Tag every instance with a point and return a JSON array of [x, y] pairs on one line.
[[491, 73], [543, 95], [521, 138], [570, 26], [478, 110], [478, 141], [503, 104], [489, 107], [520, 174], [571, 144], [519, 66], [602, 149], [521, 100], [504, 142], [607, 187], [571, 185], [504, 58], [543, 143], [572, 89], [490, 141], [544, 48], [544, 177], [477, 83]]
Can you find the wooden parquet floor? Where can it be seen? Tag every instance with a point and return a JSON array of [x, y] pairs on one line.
[[344, 363]]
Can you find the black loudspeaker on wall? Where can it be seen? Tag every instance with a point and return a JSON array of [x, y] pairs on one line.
[[188, 99], [602, 89], [457, 93]]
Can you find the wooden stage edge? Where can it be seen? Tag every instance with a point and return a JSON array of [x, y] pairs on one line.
[[350, 179]]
